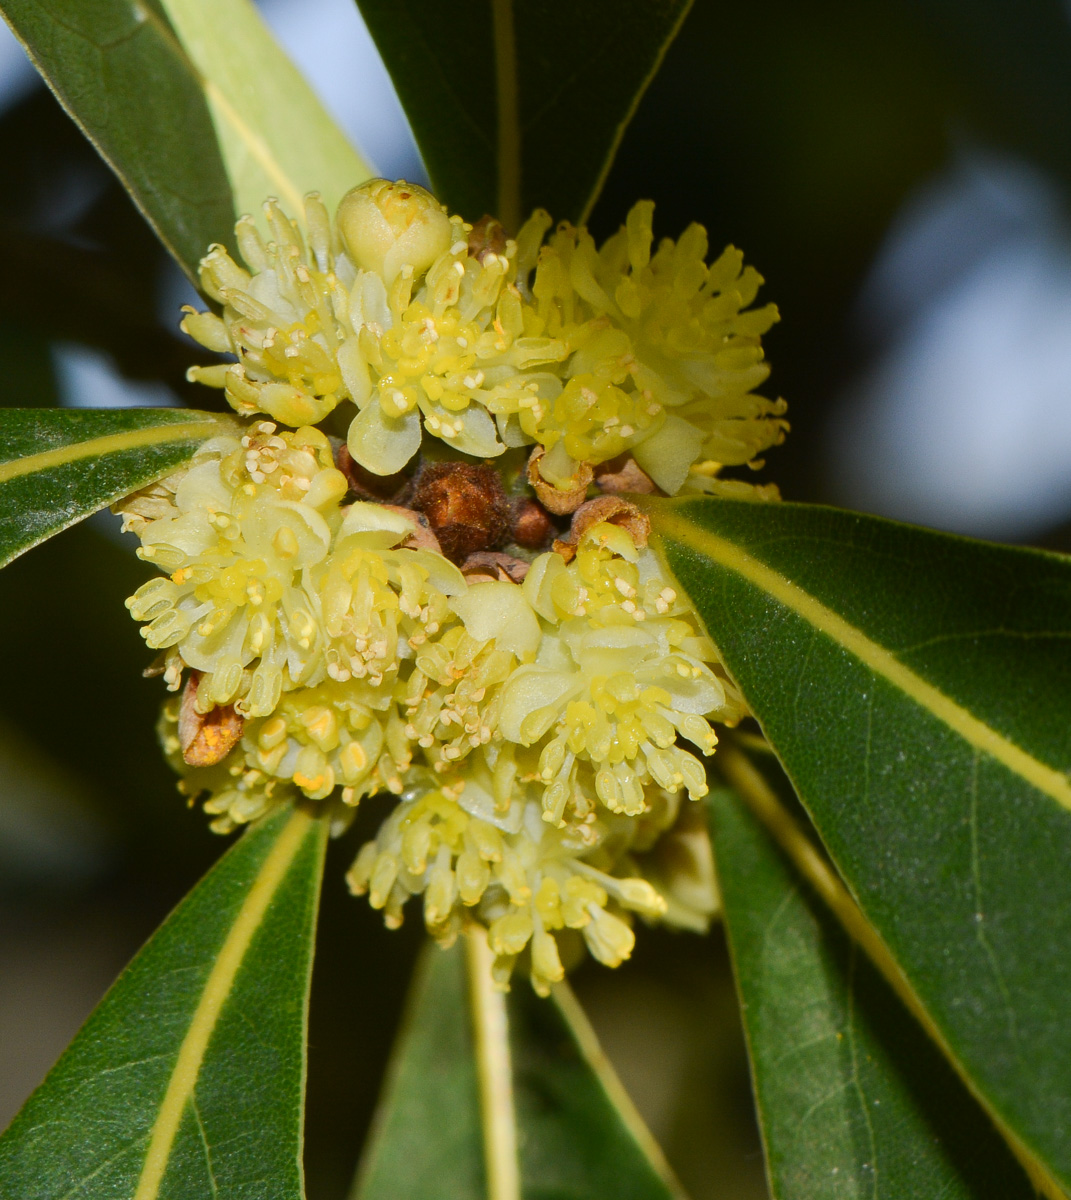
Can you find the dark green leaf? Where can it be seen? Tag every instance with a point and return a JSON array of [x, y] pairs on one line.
[[426, 1139], [516, 106], [914, 686], [852, 1097], [575, 1134], [188, 1079], [58, 465], [193, 105]]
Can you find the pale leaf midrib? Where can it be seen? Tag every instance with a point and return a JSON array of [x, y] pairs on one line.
[[596, 1059], [222, 106], [214, 995], [494, 1072], [626, 119], [882, 662], [111, 443], [508, 115]]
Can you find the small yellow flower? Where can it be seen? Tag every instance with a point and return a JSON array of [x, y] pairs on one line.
[[622, 669], [586, 352]]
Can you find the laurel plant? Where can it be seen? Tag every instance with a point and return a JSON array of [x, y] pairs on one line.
[[468, 529]]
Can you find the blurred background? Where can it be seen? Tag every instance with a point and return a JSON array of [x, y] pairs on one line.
[[898, 170]]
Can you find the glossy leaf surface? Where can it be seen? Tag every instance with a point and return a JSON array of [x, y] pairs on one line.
[[274, 134], [195, 107], [516, 106], [572, 1138], [59, 465], [853, 1098], [188, 1079], [914, 685]]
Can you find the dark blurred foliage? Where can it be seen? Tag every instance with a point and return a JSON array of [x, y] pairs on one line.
[[796, 132], [793, 131]]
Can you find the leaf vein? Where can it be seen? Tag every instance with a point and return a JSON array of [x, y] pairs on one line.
[[877, 659]]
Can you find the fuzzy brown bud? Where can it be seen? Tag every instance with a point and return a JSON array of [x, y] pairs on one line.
[[465, 506]]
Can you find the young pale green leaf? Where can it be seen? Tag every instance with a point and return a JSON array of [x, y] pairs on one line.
[[503, 1097], [195, 107], [274, 134], [59, 465], [516, 106], [853, 1098], [189, 1078], [914, 686]]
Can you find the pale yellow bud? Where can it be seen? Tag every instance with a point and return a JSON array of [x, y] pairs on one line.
[[608, 937], [546, 963], [640, 895], [385, 226], [510, 933]]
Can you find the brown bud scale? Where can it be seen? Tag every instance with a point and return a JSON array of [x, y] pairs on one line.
[[614, 511], [623, 474], [493, 564], [206, 738], [554, 499], [531, 526]]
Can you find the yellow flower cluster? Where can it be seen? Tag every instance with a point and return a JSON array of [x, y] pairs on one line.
[[540, 715], [529, 728], [422, 326], [663, 358]]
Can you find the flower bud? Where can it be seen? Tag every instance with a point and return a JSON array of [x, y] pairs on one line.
[[386, 225], [465, 506]]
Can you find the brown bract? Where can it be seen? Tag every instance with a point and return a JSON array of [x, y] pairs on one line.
[[623, 474], [493, 564], [557, 500], [465, 506], [367, 484], [614, 511], [488, 236], [206, 738], [422, 537]]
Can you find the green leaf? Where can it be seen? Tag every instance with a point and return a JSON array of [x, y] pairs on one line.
[[516, 106], [852, 1097], [188, 1080], [59, 465], [914, 686], [195, 107], [514, 1090]]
